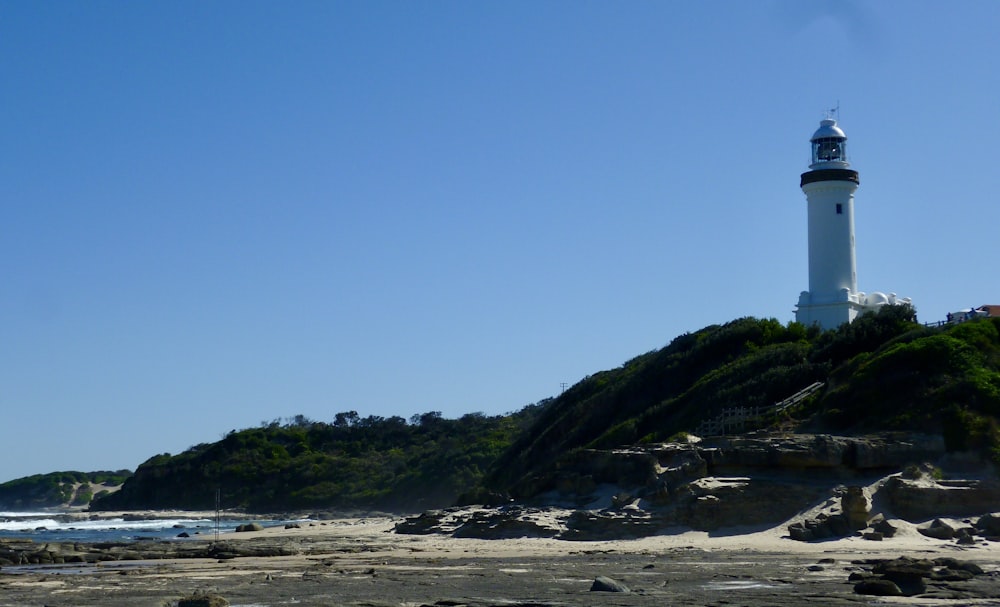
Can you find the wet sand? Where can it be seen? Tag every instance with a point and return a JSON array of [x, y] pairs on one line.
[[362, 562]]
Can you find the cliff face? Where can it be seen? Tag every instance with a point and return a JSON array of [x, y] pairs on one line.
[[733, 481], [797, 458], [726, 482], [922, 498]]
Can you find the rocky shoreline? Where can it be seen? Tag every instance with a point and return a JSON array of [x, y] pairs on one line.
[[15, 553], [830, 486], [334, 564]]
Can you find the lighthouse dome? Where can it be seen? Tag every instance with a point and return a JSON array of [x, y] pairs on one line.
[[877, 299], [828, 129]]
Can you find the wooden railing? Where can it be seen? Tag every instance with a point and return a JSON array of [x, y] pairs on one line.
[[735, 420]]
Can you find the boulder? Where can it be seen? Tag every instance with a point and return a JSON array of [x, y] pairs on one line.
[[989, 524], [249, 527], [799, 532], [951, 575], [424, 524], [856, 505], [950, 578], [909, 580], [877, 587], [606, 584], [840, 525], [907, 573], [922, 498], [505, 523], [903, 563], [203, 600], [584, 525], [884, 527], [952, 563], [822, 527], [938, 530]]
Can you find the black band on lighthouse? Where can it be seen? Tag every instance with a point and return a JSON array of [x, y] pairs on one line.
[[829, 175]]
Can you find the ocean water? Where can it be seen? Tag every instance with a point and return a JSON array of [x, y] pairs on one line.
[[66, 527]]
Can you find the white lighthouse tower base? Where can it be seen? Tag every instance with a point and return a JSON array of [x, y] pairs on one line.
[[833, 313]]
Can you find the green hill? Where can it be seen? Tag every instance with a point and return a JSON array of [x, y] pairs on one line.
[[58, 489], [352, 463], [882, 372]]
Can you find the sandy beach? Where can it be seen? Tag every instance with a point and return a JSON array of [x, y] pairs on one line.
[[363, 562]]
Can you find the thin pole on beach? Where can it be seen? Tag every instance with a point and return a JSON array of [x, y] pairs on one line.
[[218, 511]]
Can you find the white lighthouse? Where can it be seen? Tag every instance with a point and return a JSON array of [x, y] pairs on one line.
[[833, 297]]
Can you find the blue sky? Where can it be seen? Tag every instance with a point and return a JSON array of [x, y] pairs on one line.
[[219, 213]]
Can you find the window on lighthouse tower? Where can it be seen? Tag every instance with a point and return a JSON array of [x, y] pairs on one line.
[[828, 149]]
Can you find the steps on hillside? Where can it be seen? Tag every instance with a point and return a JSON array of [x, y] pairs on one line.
[[736, 420]]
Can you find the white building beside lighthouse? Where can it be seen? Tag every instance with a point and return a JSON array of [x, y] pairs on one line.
[[833, 297]]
